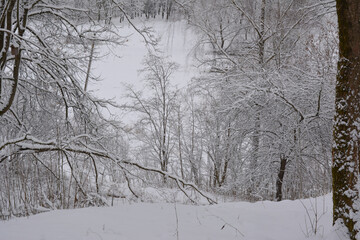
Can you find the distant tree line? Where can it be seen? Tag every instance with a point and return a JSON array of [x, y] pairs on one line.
[[108, 9]]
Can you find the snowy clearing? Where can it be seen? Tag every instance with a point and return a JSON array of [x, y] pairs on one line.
[[158, 221], [121, 65]]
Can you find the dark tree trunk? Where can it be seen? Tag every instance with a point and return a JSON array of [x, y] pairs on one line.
[[280, 178], [5, 44], [347, 119], [168, 8]]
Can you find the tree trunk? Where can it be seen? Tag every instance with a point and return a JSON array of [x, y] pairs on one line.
[[280, 178], [89, 64], [168, 8], [345, 168], [180, 144]]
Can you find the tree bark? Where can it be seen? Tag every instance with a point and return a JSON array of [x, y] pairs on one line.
[[280, 178], [345, 168], [89, 64], [4, 48]]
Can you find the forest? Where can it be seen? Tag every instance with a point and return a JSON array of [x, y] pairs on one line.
[[255, 124]]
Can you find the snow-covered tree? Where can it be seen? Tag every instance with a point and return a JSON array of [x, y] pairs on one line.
[[44, 109], [258, 54], [155, 107]]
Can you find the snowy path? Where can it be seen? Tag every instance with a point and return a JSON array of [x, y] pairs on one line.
[[157, 221]]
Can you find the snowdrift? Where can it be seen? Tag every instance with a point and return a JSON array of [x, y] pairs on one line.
[[295, 220]]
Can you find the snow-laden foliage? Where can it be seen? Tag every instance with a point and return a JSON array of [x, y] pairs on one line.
[[45, 48], [269, 96]]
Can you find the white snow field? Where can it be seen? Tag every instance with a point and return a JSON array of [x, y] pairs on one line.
[[286, 220]]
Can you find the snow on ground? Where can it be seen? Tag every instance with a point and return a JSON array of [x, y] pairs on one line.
[[286, 220]]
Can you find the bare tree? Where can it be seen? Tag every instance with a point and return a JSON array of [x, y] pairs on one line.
[[156, 108]]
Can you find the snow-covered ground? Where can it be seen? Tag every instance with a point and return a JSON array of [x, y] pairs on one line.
[[286, 220]]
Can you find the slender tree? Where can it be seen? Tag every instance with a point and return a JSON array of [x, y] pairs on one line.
[[153, 128]]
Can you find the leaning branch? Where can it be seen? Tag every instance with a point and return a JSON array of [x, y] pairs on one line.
[[32, 145], [210, 200]]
